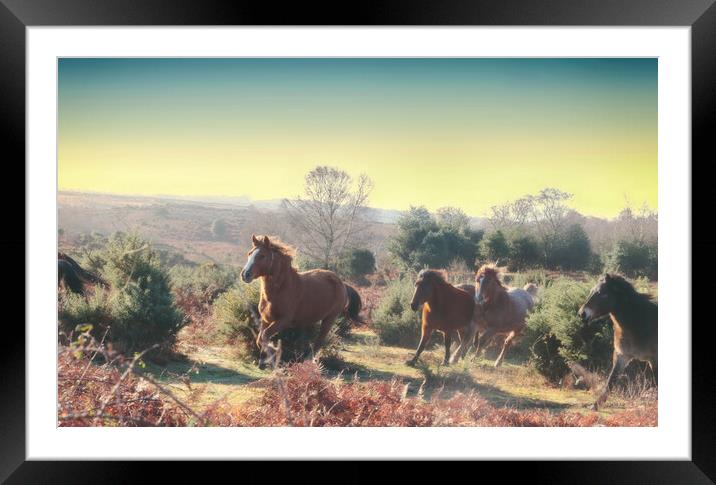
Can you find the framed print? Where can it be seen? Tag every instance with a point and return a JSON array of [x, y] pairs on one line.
[[274, 233]]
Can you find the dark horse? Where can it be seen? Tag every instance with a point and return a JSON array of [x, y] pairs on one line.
[[635, 320], [291, 299], [74, 277], [446, 308]]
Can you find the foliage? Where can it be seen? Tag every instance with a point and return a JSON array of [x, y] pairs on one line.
[[634, 259], [84, 388], [555, 335], [524, 252], [424, 241], [494, 246], [569, 250], [218, 229], [393, 320], [207, 281], [139, 310], [234, 318], [355, 263]]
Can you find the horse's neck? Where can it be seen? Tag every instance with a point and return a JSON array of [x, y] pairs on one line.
[[634, 313], [284, 275]]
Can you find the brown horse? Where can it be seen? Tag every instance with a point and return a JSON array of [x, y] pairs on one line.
[[635, 320], [500, 309], [291, 299], [446, 308]]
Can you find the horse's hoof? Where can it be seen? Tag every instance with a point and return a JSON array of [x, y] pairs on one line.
[[594, 407], [447, 363], [498, 364], [410, 363]]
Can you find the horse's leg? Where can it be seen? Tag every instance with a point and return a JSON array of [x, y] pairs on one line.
[[470, 334], [481, 341], [424, 338], [322, 333], [619, 363], [448, 343], [654, 371], [505, 346]]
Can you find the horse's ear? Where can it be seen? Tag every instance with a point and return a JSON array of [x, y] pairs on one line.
[[267, 243], [254, 240]]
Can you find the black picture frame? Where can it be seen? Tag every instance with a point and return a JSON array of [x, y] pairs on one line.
[[700, 15]]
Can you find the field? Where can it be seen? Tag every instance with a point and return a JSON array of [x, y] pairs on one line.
[[205, 380]]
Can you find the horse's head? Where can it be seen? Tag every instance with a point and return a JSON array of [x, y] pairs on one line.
[[260, 259], [424, 287], [601, 299], [487, 282], [269, 354]]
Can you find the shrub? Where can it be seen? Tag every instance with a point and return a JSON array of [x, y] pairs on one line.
[[138, 311], [393, 320], [570, 250], [233, 317], [305, 263], [207, 281], [494, 246], [356, 263], [218, 229], [634, 259], [524, 252], [422, 241], [555, 335]]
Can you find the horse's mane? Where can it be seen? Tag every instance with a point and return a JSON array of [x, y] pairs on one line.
[[626, 289], [489, 270], [433, 274], [280, 247]]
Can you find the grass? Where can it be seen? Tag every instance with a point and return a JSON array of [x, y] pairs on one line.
[[211, 373]]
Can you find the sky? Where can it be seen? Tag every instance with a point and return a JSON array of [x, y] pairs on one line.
[[464, 132]]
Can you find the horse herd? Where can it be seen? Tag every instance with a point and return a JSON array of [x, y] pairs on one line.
[[473, 314]]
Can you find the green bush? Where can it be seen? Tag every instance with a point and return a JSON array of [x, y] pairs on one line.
[[356, 263], [494, 246], [634, 259], [206, 281], [570, 251], [524, 252], [555, 335], [218, 229], [138, 311], [234, 319], [423, 241], [393, 320]]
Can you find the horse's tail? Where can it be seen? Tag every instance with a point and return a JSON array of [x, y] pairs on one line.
[[354, 304]]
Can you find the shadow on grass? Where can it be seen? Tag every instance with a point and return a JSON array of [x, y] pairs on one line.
[[198, 372], [439, 383]]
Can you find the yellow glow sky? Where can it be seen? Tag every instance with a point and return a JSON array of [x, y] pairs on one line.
[[469, 133]]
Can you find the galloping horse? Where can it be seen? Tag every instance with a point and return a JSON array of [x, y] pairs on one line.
[[292, 299], [635, 320], [500, 309], [446, 308], [74, 277]]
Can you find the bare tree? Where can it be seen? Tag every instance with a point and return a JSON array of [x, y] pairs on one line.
[[453, 217], [328, 217]]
